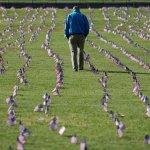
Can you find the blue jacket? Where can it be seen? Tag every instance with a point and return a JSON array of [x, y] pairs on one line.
[[76, 23]]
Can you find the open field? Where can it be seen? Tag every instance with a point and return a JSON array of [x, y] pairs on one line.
[[122, 33]]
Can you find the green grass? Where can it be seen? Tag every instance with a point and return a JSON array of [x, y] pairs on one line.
[[78, 107]]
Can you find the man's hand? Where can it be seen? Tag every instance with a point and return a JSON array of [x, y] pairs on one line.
[[66, 37]]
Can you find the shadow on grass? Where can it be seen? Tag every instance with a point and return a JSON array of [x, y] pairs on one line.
[[123, 72], [109, 71]]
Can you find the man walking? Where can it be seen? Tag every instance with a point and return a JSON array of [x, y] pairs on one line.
[[76, 30]]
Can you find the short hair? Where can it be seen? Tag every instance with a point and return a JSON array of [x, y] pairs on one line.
[[76, 8]]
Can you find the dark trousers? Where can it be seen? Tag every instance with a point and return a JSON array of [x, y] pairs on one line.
[[76, 45]]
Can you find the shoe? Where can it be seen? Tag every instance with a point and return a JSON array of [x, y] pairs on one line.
[[75, 70], [80, 68]]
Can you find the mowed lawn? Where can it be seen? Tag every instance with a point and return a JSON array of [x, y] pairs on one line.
[[78, 106]]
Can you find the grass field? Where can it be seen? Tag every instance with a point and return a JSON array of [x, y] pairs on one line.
[[78, 106]]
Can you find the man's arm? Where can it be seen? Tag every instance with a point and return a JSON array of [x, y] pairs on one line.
[[86, 26], [66, 30]]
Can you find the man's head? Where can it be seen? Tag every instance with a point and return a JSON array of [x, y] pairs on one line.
[[76, 8]]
